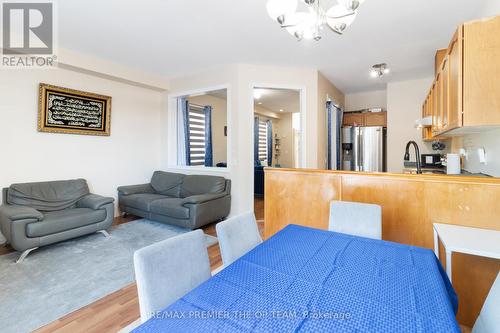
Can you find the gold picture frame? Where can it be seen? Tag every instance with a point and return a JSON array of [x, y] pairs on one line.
[[69, 111]]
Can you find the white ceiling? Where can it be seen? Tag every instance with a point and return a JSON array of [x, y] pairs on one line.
[[277, 100], [172, 38]]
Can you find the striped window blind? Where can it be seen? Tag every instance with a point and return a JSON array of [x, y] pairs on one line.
[[263, 141], [197, 134]]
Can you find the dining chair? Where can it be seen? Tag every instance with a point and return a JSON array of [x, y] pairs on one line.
[[167, 270], [355, 218], [237, 235], [489, 317]]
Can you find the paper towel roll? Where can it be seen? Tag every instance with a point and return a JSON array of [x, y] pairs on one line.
[[453, 164]]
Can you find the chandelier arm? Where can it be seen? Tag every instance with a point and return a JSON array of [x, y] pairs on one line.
[[288, 25], [335, 30], [341, 16]]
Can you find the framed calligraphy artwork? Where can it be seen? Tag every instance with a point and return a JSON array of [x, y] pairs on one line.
[[63, 110]]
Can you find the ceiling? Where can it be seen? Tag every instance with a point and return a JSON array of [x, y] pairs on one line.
[[278, 100], [173, 38]]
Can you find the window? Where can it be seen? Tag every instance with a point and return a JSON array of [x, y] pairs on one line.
[[197, 139], [263, 142]]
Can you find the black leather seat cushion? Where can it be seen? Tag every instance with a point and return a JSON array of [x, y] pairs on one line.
[[62, 220], [141, 201], [170, 207]]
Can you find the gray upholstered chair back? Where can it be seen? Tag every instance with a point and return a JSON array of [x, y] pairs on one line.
[[355, 218], [237, 235], [168, 270]]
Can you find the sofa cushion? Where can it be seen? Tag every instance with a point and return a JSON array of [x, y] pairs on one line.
[[48, 196], [197, 184], [167, 183], [62, 220], [140, 201], [170, 207]]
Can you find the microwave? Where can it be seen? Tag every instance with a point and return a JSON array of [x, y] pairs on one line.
[[431, 160]]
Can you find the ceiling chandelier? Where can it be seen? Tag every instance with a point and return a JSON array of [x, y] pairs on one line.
[[309, 24], [379, 70]]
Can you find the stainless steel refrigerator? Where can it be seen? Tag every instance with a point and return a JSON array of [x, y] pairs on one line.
[[364, 148]]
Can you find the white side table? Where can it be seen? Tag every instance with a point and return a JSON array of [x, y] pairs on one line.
[[475, 241]]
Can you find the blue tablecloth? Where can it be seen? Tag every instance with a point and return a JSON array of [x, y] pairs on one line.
[[309, 280]]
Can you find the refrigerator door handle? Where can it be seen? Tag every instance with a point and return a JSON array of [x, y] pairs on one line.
[[361, 150]]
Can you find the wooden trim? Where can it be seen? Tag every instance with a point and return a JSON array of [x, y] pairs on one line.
[[387, 175]]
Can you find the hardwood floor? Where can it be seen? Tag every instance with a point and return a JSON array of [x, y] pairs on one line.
[[258, 204], [121, 308]]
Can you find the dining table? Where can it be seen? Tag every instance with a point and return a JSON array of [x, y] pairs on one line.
[[308, 280]]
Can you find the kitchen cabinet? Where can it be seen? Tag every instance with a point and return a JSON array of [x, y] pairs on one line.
[[353, 119], [438, 59], [444, 93], [427, 112], [376, 119], [365, 119], [455, 83], [466, 92]]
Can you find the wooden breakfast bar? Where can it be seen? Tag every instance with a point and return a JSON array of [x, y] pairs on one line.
[[410, 206]]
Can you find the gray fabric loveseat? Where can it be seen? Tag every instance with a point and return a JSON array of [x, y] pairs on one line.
[[39, 214], [189, 201]]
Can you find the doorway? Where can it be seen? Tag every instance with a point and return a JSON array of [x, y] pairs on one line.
[[277, 135]]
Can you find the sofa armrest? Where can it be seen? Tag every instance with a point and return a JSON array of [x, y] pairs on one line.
[[17, 212], [94, 201], [201, 198], [134, 189]]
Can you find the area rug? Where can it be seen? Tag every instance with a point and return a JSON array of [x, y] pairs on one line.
[[59, 279]]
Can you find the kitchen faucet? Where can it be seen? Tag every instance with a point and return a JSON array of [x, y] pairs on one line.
[[417, 154]]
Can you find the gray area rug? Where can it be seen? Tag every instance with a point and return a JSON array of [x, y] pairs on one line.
[[61, 278]]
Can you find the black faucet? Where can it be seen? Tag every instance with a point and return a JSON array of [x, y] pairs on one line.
[[417, 154]]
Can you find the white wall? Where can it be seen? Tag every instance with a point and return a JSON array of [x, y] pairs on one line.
[[128, 156], [404, 106], [365, 100], [490, 141], [240, 80], [284, 130]]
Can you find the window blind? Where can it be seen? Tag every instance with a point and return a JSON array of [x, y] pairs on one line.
[[262, 141], [197, 139]]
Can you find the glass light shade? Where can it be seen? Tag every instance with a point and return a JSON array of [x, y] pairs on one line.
[[338, 17], [301, 24], [277, 8], [374, 73], [351, 4]]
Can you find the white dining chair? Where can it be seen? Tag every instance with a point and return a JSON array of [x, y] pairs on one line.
[[168, 270], [489, 317], [355, 218], [237, 235]]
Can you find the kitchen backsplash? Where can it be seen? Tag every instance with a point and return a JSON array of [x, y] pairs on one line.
[[490, 141]]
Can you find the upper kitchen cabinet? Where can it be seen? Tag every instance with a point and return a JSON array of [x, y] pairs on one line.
[[353, 119], [365, 119], [466, 92], [481, 73]]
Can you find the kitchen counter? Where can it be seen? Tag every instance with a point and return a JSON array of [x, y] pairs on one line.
[[411, 168]]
